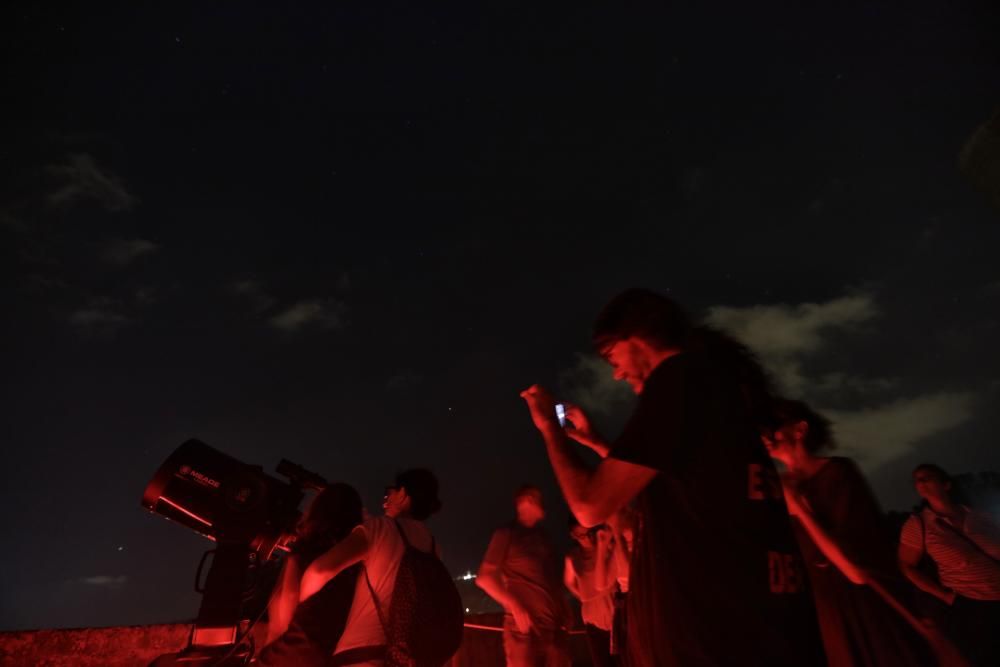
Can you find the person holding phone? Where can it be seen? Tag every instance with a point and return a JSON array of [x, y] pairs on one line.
[[715, 577]]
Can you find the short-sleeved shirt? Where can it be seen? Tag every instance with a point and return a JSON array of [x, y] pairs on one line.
[[600, 609], [968, 565], [716, 576], [532, 572], [385, 551]]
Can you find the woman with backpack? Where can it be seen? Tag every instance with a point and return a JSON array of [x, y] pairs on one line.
[[964, 545], [304, 635], [398, 558], [848, 557]]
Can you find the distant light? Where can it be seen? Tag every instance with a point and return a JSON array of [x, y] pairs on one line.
[[467, 576], [466, 610], [121, 548]]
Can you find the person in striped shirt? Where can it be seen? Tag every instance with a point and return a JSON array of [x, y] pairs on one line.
[[965, 546]]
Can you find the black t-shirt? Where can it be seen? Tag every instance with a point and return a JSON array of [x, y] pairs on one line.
[[316, 625], [716, 577], [532, 572]]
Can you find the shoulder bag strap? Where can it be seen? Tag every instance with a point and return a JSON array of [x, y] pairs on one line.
[[378, 607], [406, 542], [960, 533], [402, 533]]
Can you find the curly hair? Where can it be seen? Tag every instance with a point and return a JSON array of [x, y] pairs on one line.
[[819, 435]]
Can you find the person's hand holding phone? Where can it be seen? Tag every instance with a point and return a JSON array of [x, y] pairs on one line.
[[561, 414], [579, 428]]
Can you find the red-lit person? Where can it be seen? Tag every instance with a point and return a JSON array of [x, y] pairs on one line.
[[522, 572], [623, 525], [715, 576], [964, 544], [304, 635], [840, 529], [378, 545], [589, 573]]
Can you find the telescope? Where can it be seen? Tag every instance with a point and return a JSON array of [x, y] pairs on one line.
[[250, 515]]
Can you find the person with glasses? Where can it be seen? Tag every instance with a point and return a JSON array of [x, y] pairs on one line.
[[715, 576]]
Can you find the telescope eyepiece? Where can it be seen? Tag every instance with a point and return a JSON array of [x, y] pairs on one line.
[[299, 476]]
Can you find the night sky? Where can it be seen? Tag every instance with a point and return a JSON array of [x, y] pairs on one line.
[[348, 234]]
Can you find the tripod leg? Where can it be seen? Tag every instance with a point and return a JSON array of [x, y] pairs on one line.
[[222, 601]]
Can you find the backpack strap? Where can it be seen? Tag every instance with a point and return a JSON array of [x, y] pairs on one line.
[[961, 534], [378, 607], [402, 533], [406, 542]]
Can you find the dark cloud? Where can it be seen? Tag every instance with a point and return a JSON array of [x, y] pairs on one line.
[[884, 434], [787, 337], [322, 313], [80, 179], [591, 385], [125, 251], [403, 381], [105, 580], [255, 293], [101, 318], [980, 158]]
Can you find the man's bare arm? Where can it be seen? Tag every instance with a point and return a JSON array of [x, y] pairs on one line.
[[490, 579], [592, 495], [284, 600]]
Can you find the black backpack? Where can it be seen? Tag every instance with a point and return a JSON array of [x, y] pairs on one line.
[[426, 619]]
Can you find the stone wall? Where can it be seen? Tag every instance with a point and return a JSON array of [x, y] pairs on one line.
[[129, 646], [137, 646]]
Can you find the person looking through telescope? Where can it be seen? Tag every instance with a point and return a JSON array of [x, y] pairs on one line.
[[306, 633]]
